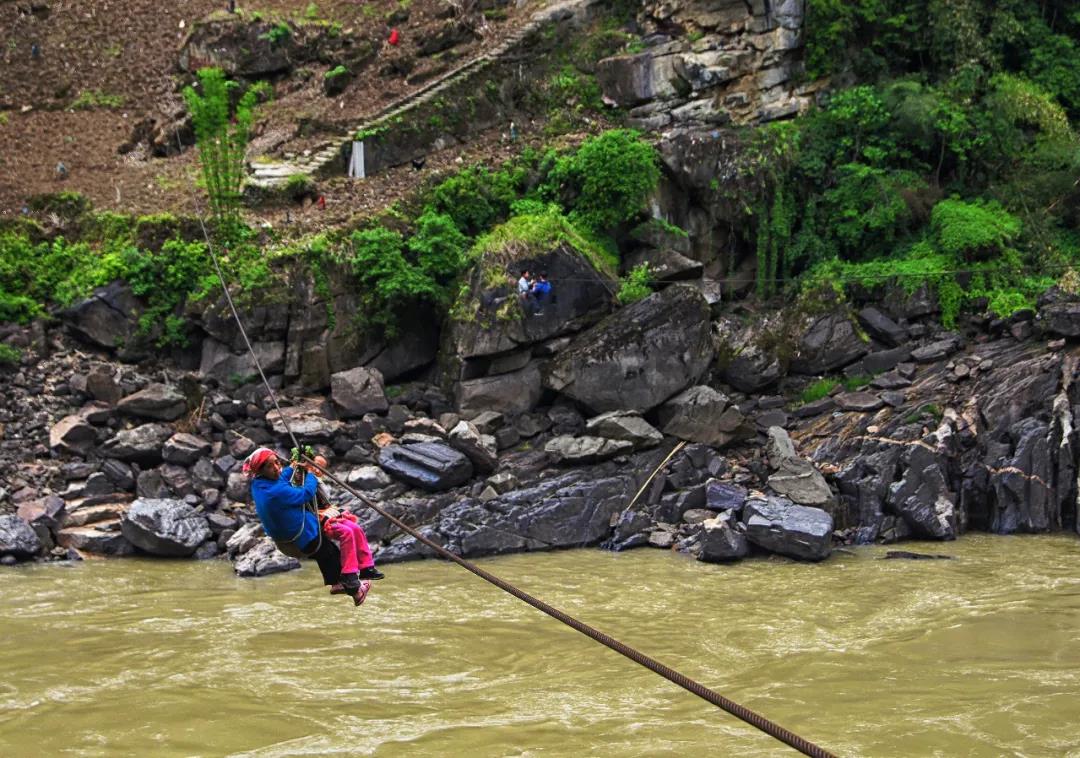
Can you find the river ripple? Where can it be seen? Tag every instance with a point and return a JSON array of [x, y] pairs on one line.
[[979, 656]]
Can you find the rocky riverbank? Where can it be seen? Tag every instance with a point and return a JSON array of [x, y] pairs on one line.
[[922, 433]]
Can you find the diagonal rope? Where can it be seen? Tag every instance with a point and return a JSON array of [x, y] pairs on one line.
[[756, 720]]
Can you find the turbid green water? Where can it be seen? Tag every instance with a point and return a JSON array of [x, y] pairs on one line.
[[978, 656]]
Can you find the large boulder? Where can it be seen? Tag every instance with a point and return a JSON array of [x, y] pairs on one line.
[[142, 445], [307, 421], [72, 434], [799, 481], [624, 425], [184, 449], [577, 450], [247, 45], [922, 496], [797, 531], [510, 393], [18, 538], [262, 559], [429, 465], [741, 361], [221, 362], [629, 80], [488, 318], [358, 391], [829, 342], [639, 356], [701, 414], [479, 448], [1023, 496], [169, 528], [720, 540], [108, 318], [161, 402]]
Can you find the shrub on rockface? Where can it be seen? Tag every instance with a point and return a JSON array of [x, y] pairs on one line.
[[606, 181]]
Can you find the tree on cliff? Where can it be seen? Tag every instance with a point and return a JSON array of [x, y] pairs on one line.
[[222, 136]]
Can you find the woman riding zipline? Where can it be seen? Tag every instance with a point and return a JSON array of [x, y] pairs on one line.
[[283, 510]]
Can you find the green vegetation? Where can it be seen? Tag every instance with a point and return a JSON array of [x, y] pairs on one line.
[[959, 178], [9, 355], [335, 72], [88, 99], [279, 32], [818, 389], [222, 138], [635, 285]]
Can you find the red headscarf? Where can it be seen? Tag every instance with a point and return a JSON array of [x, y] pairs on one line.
[[255, 461]]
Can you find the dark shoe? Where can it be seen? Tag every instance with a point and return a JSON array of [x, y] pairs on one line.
[[370, 573], [349, 583]]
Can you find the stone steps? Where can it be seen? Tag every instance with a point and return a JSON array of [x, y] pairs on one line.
[[277, 174]]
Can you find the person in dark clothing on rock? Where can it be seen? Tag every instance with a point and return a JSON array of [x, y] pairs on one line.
[[541, 292], [282, 509]]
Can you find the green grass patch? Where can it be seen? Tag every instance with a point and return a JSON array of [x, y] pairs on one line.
[[818, 389]]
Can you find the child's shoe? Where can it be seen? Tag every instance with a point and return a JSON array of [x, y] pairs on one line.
[[361, 594]]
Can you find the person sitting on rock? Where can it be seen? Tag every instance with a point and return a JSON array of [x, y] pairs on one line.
[[342, 527], [524, 286], [282, 509]]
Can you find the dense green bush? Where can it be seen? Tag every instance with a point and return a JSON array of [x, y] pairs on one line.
[[606, 181], [970, 231], [477, 198]]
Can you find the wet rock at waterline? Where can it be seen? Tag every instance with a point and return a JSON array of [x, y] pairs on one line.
[[263, 559], [169, 528], [779, 526], [18, 538]]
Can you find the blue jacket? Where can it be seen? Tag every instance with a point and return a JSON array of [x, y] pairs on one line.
[[281, 507]]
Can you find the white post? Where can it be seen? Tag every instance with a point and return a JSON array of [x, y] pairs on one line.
[[356, 162]]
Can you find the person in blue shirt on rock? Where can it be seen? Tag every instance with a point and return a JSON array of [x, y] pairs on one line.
[[541, 292], [282, 509]]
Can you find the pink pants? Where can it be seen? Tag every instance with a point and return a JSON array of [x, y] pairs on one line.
[[352, 542]]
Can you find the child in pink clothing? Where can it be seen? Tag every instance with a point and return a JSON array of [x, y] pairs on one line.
[[343, 529]]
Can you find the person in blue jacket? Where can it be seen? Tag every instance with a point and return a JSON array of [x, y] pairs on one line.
[[281, 508]]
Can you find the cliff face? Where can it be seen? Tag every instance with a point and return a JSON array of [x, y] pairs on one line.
[[711, 63]]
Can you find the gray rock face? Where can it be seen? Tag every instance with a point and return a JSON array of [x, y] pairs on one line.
[[220, 362], [624, 425], [881, 327], [721, 541], [184, 449], [429, 465], [779, 447], [18, 538], [571, 450], [701, 414], [367, 478], [572, 510], [935, 351], [100, 539], [511, 393], [108, 318], [639, 356], [922, 496], [479, 448], [158, 401], [1022, 484], [307, 421], [741, 361], [800, 482], [245, 538], [862, 402], [72, 433], [358, 391], [264, 559], [1062, 319], [169, 528], [829, 343], [724, 496], [582, 295], [142, 445], [792, 530]]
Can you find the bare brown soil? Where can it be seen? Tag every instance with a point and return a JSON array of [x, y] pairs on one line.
[[126, 51]]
